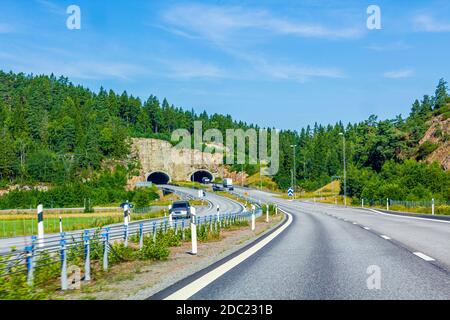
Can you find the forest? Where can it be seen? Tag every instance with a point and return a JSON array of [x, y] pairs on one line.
[[71, 138]]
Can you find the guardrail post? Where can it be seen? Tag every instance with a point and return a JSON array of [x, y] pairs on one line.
[[30, 261], [40, 219], [141, 236], [182, 230], [194, 232], [105, 249], [64, 285], [87, 257], [432, 207]]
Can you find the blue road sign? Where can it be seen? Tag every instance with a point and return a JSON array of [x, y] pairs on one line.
[[290, 192]]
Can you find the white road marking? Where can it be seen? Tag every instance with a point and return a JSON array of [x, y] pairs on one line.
[[197, 285], [385, 237], [407, 217], [367, 228], [355, 223], [423, 256]]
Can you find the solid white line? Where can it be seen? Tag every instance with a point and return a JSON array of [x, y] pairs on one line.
[[423, 256], [385, 237], [407, 217], [367, 228], [355, 223], [197, 285]]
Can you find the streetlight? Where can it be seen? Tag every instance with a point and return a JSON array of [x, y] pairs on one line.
[[345, 168], [293, 173]]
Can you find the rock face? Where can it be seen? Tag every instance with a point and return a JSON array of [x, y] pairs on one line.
[[439, 132], [179, 164]]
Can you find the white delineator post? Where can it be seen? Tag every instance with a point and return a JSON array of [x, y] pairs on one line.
[[276, 209], [193, 231], [218, 216], [125, 223], [362, 203], [60, 225], [267, 213], [432, 207], [253, 218], [40, 218], [170, 220], [387, 204]]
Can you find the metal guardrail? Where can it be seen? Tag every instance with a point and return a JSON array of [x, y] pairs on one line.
[[55, 249]]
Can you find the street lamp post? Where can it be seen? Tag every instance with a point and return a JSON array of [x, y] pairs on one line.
[[345, 168], [293, 173]]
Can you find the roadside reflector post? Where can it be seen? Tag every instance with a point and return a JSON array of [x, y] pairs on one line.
[[30, 261], [218, 216], [170, 221], [154, 231], [60, 225], [105, 249], [87, 257], [362, 202], [253, 220], [126, 207], [40, 219], [141, 236], [267, 213], [432, 207], [387, 204], [194, 231], [64, 285], [276, 209]]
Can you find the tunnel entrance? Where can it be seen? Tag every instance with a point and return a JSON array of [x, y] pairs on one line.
[[158, 177], [198, 176]]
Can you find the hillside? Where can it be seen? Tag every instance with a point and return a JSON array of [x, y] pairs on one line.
[[437, 141], [68, 137]]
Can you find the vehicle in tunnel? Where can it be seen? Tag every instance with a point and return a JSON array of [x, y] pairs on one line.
[[201, 176], [158, 178]]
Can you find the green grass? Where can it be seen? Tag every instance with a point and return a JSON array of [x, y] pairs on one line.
[[27, 227]]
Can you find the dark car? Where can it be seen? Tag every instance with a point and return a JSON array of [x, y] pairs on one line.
[[218, 187], [180, 210]]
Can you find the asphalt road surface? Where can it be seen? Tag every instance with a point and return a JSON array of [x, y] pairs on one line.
[[340, 253]]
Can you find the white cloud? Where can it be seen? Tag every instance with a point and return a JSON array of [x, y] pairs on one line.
[[73, 68], [193, 69], [218, 23], [395, 46], [297, 72], [429, 24], [398, 74]]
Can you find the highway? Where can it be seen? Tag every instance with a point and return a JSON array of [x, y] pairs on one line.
[[331, 252], [225, 206]]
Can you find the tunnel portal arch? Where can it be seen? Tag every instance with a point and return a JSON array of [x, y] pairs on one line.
[[158, 178], [198, 175]]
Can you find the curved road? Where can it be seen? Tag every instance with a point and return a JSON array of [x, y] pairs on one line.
[[225, 205], [337, 253]]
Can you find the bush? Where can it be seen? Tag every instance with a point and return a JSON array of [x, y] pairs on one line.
[[157, 250]]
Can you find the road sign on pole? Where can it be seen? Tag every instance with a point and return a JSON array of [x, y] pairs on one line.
[[291, 192]]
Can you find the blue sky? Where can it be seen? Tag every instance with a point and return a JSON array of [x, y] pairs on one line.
[[277, 63]]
